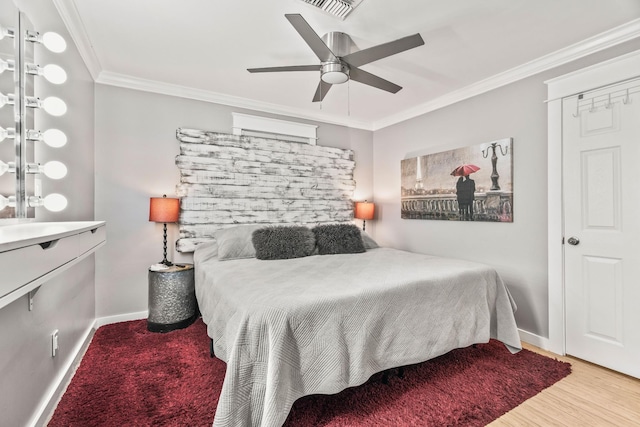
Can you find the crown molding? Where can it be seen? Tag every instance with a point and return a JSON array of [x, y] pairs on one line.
[[130, 82], [71, 18], [605, 40], [618, 69]]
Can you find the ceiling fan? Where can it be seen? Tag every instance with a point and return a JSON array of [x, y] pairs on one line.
[[338, 63]]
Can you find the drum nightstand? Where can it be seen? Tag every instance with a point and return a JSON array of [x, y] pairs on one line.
[[172, 299]]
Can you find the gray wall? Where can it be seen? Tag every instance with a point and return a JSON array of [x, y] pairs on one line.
[[518, 250], [135, 160], [67, 303], [135, 147]]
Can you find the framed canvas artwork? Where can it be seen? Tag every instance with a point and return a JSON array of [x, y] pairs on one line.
[[467, 184]]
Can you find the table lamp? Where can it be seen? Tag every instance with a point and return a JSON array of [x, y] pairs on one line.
[[164, 209], [364, 211]]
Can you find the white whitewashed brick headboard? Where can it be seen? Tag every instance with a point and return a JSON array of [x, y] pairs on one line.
[[227, 180]]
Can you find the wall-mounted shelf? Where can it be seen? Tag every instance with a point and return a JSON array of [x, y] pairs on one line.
[[32, 253]]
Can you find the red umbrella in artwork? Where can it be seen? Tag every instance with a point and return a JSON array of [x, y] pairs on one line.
[[464, 170]]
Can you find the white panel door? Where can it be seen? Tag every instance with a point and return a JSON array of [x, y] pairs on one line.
[[601, 178]]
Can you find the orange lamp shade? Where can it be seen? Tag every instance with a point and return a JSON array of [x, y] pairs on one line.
[[164, 209], [364, 210]]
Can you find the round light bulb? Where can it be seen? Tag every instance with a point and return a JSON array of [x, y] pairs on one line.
[[4, 32], [54, 42], [6, 65], [6, 133], [54, 138], [54, 106], [54, 74], [54, 169], [3, 167], [55, 202], [4, 100], [4, 202]]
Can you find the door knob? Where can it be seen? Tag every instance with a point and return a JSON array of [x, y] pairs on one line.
[[573, 241]]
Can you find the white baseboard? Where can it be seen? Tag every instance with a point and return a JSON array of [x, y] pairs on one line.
[[59, 385], [534, 339], [101, 321]]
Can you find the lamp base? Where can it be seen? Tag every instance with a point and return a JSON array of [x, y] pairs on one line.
[[164, 247]]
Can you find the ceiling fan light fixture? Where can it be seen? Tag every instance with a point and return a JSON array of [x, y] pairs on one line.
[[334, 73]]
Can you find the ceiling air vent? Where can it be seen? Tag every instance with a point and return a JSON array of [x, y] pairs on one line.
[[338, 8]]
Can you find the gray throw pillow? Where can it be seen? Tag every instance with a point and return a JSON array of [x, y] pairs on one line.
[[283, 242], [338, 239]]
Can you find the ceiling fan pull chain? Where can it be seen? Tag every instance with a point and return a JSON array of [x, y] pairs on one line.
[[349, 98]]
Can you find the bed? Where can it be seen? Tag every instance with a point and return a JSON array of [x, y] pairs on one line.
[[318, 324]]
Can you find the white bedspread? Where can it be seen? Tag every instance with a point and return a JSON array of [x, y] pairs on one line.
[[320, 324]]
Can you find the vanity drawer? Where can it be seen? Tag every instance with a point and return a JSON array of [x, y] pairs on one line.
[[23, 265], [90, 239]]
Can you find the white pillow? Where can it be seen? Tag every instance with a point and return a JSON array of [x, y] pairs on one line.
[[235, 242]]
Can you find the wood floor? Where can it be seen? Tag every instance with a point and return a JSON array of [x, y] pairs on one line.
[[589, 396]]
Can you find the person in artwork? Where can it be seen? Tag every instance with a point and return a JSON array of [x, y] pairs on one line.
[[465, 193], [459, 195]]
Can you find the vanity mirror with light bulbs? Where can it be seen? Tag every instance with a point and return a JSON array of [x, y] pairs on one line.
[[21, 177]]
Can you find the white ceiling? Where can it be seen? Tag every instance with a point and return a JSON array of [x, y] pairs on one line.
[[202, 48]]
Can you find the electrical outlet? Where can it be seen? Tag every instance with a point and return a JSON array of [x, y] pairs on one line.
[[54, 343]]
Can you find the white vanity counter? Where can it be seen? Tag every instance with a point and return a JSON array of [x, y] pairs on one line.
[[32, 253]]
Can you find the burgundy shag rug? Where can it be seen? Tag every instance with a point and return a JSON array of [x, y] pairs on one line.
[[132, 377]]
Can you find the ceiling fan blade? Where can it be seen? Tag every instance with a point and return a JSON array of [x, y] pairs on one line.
[[285, 68], [380, 51], [362, 76], [314, 41], [321, 91]]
